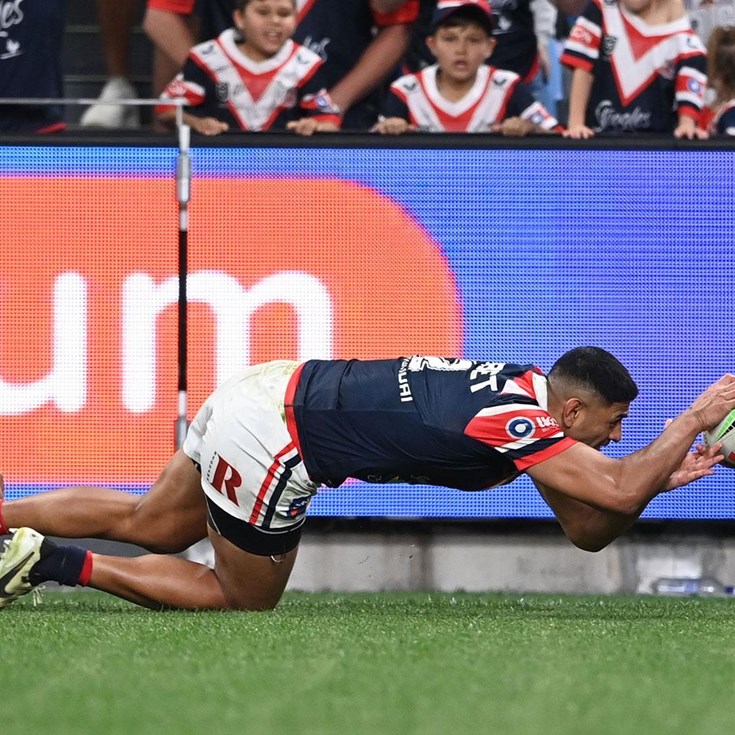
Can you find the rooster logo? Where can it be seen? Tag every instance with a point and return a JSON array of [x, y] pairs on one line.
[[12, 48]]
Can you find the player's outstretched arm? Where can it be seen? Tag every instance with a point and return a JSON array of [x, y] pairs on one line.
[[592, 529], [625, 486]]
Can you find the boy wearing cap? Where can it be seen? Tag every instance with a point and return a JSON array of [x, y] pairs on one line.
[[461, 93]]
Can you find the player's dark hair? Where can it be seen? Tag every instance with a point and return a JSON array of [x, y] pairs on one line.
[[464, 16], [596, 370], [721, 62]]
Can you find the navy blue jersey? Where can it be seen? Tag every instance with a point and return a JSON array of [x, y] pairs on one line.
[[516, 48], [340, 31], [643, 74], [430, 420], [31, 33]]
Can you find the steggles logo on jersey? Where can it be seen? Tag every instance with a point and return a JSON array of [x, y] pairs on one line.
[[608, 44], [608, 118]]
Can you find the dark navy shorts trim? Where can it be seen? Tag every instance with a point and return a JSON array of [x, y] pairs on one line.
[[248, 537]]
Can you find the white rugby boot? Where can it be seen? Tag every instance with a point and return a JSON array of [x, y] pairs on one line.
[[22, 551]]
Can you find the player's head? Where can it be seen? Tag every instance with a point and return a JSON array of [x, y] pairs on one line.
[[263, 26], [721, 61], [461, 37], [590, 392]]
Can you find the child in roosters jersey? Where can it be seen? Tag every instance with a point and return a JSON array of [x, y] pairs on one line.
[[461, 93], [253, 77], [721, 73], [637, 67]]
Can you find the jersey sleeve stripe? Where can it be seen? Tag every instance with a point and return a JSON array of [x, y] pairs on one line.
[[523, 463]]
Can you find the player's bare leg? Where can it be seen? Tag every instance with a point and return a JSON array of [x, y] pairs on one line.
[[239, 581], [168, 519]]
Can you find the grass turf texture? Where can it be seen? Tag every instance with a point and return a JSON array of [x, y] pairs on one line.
[[378, 663]]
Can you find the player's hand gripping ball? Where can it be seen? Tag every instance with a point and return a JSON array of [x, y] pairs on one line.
[[724, 432]]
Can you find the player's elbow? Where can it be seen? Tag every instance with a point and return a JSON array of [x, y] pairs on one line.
[[619, 498], [592, 544], [588, 537]]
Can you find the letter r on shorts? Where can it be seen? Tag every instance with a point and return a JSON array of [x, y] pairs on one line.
[[226, 479]]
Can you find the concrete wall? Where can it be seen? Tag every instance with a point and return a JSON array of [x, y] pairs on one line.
[[493, 557], [492, 560]]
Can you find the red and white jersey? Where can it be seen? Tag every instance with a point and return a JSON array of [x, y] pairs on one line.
[[220, 81], [643, 74], [495, 95]]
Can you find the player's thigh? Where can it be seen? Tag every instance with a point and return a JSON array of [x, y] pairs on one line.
[[250, 581], [172, 515]]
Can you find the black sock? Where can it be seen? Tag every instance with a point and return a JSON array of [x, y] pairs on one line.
[[62, 564]]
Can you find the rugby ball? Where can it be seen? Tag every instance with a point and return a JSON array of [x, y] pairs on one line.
[[724, 432]]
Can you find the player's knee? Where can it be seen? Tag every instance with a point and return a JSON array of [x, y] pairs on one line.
[[161, 533]]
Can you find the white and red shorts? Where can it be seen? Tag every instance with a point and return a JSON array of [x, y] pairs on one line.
[[253, 477]]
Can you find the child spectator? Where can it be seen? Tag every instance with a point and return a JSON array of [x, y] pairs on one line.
[[253, 77], [360, 41], [721, 75], [637, 67], [461, 93]]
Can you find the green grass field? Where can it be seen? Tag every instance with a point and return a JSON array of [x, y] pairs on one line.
[[379, 663]]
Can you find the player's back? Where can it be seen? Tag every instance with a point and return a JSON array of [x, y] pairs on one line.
[[402, 420]]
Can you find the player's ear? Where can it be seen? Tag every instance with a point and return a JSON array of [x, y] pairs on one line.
[[491, 42], [237, 19], [571, 411], [431, 44]]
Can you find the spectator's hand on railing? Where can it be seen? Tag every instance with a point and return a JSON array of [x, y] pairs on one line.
[[310, 125], [207, 125], [578, 132], [688, 128], [393, 126], [513, 126]]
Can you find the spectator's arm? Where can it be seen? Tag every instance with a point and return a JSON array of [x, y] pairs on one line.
[[171, 33], [380, 58], [387, 6], [571, 7], [579, 97]]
